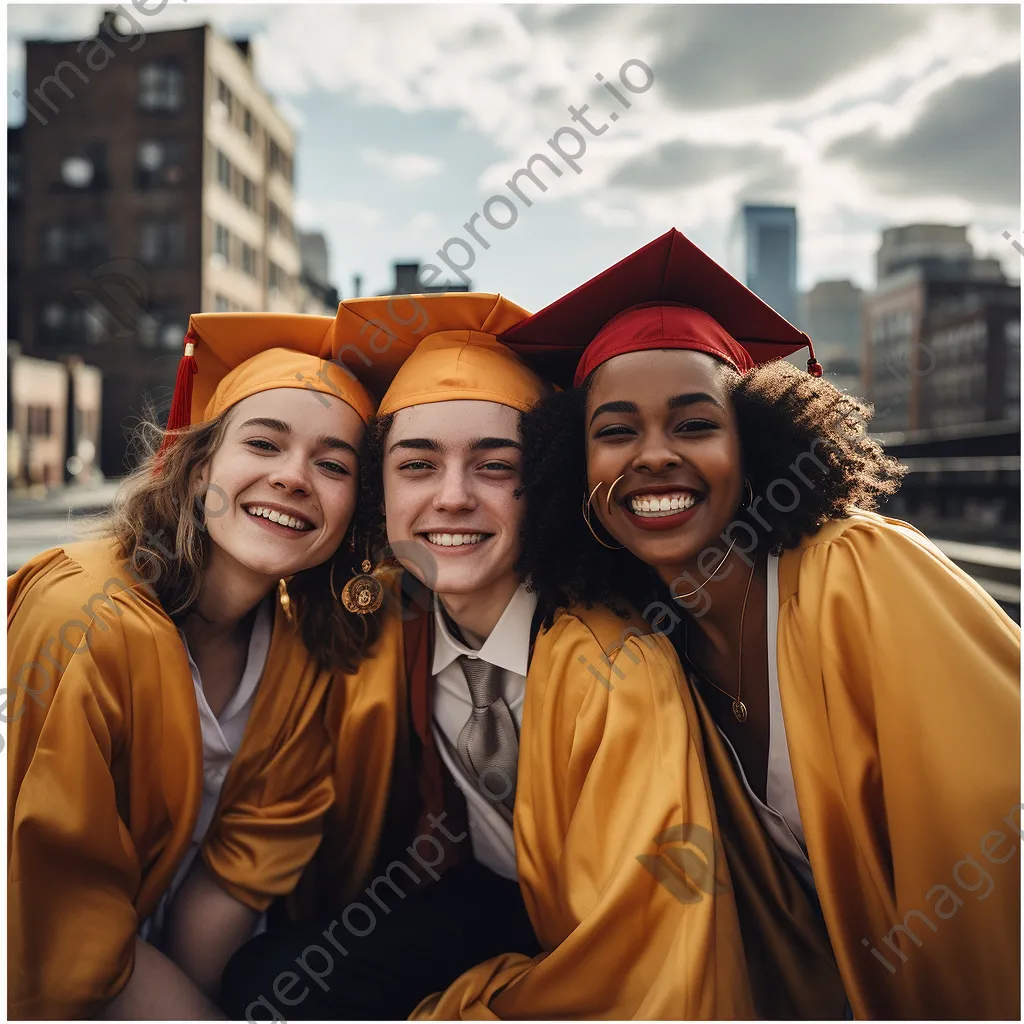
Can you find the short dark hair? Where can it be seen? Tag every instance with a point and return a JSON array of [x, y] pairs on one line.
[[793, 427]]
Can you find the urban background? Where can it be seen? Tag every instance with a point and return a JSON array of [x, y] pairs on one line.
[[863, 178]]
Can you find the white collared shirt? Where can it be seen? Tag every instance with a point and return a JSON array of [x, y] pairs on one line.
[[507, 648], [222, 736]]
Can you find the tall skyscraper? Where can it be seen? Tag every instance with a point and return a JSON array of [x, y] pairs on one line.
[[763, 254]]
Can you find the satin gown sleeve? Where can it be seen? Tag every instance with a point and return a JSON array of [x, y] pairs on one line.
[[73, 869], [617, 849], [901, 690]]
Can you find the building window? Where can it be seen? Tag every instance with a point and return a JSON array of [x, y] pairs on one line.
[[221, 242], [280, 161], [223, 171], [65, 244], [249, 261], [71, 323], [221, 304], [163, 327], [161, 88], [248, 193], [278, 222], [40, 420], [248, 123], [161, 242], [84, 170], [158, 164], [76, 172], [276, 279], [224, 95]]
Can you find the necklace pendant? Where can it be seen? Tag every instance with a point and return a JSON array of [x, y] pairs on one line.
[[739, 710]]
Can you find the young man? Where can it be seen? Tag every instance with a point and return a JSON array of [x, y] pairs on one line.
[[571, 832]]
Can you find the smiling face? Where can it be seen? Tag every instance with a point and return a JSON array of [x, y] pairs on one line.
[[664, 419], [282, 485], [450, 473]]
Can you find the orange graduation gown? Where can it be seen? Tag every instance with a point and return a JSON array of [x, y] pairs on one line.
[[617, 845], [105, 776], [900, 686]]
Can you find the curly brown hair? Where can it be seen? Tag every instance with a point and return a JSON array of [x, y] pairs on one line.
[[793, 427], [158, 523], [369, 530]]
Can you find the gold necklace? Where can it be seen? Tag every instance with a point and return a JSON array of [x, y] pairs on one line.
[[739, 709]]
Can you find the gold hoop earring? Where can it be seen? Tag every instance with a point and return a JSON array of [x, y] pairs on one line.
[[608, 502], [363, 594], [586, 518], [750, 492]]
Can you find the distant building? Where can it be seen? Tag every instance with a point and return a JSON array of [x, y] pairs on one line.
[[407, 282], [941, 334], [830, 313], [15, 231], [155, 184], [916, 244], [53, 428], [317, 294], [763, 255]]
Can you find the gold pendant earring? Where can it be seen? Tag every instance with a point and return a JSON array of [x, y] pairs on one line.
[[363, 594], [285, 599]]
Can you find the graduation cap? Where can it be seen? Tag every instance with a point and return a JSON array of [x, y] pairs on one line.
[[669, 294], [230, 356], [441, 347]]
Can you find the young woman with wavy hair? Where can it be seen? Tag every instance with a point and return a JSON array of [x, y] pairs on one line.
[[859, 692], [168, 767]]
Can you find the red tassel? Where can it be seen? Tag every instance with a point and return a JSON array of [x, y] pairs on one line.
[[180, 415], [813, 366]]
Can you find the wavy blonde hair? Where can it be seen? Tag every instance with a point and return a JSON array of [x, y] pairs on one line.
[[158, 521]]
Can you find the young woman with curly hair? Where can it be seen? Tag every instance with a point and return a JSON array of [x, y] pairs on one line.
[[859, 692], [168, 767]]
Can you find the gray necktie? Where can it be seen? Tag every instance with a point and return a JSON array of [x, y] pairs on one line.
[[488, 746]]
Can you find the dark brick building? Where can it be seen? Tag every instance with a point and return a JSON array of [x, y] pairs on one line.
[[156, 181]]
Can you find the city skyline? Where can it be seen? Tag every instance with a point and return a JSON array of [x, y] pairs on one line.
[[863, 117]]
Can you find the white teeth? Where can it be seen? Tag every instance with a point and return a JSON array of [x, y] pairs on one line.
[[658, 505], [454, 540], [277, 517]]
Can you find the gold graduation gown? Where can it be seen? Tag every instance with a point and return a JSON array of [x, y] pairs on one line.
[[617, 846], [105, 776], [899, 679]]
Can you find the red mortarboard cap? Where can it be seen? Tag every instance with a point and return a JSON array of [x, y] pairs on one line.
[[654, 299]]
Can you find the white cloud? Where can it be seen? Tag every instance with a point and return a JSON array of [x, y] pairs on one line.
[[291, 114], [424, 221], [338, 210], [608, 216], [506, 73], [402, 166]]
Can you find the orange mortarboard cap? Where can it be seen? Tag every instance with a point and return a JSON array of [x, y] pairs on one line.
[[435, 348], [669, 294], [230, 356]]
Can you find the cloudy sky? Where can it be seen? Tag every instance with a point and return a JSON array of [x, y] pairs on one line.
[[410, 117]]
